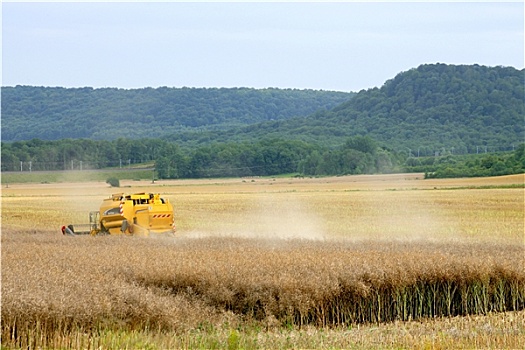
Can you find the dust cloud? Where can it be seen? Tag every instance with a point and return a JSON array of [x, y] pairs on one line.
[[79, 194], [271, 217]]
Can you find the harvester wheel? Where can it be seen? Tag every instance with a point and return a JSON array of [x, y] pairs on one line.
[[96, 232]]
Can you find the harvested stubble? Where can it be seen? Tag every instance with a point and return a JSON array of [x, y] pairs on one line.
[[52, 286]]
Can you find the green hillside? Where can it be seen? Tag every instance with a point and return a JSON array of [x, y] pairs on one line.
[[442, 106], [431, 109], [53, 113]]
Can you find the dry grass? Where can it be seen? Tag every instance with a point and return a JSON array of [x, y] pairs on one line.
[[271, 263]]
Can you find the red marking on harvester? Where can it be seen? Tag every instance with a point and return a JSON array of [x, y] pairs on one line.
[[121, 208], [158, 216]]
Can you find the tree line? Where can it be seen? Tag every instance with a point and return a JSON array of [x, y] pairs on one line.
[[265, 157], [272, 156], [479, 165]]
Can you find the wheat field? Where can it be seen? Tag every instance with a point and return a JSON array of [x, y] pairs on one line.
[[387, 261]]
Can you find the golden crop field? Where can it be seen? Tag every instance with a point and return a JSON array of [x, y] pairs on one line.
[[384, 261]]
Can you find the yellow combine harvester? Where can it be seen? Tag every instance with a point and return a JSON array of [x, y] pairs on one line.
[[132, 214]]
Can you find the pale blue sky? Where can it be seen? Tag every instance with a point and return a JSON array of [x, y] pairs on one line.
[[344, 46]]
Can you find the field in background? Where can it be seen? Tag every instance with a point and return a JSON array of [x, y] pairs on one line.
[[271, 262], [134, 173]]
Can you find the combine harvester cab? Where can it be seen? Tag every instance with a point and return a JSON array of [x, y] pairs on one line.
[[139, 214]]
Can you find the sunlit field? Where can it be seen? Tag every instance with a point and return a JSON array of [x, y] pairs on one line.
[[386, 261]]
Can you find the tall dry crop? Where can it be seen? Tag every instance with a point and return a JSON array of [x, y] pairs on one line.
[[62, 284]]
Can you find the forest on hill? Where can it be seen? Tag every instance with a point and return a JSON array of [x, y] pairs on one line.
[[54, 113], [432, 109], [424, 119]]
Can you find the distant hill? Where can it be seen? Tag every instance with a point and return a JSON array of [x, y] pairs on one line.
[[428, 110], [52, 113], [442, 105], [435, 107]]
